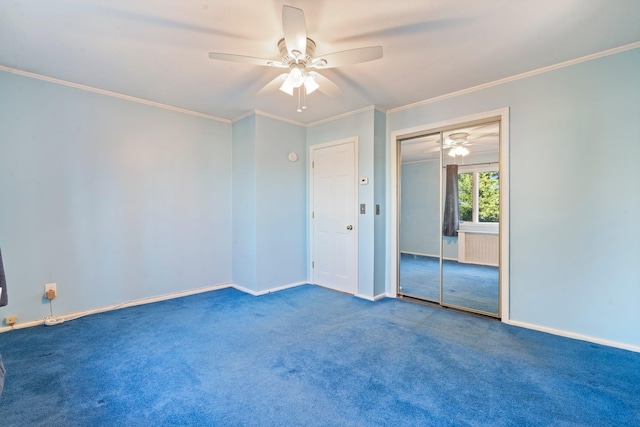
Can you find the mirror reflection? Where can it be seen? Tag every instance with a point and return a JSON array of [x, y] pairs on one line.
[[449, 218], [419, 232]]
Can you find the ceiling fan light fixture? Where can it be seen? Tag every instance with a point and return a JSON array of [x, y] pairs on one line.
[[310, 84], [287, 86], [297, 55], [458, 151], [458, 137], [296, 76]]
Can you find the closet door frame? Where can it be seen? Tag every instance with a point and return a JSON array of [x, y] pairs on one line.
[[393, 225]]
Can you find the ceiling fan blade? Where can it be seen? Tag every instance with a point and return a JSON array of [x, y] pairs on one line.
[[295, 31], [348, 57], [246, 59], [273, 85], [486, 135], [327, 87]]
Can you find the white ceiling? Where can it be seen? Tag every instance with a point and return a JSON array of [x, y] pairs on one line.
[[157, 49]]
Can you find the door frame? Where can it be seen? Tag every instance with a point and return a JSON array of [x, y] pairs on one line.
[[393, 228], [356, 200]]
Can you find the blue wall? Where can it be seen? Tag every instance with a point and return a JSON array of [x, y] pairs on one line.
[[244, 203], [281, 204], [380, 198], [111, 199], [269, 204], [420, 208], [574, 192]]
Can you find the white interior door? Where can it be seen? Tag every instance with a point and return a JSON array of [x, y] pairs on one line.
[[334, 215]]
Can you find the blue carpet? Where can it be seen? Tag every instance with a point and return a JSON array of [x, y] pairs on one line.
[[464, 285], [308, 356]]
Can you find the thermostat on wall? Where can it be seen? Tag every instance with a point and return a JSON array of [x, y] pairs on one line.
[[364, 180]]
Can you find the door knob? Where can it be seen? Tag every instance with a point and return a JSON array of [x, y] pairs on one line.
[[349, 227]]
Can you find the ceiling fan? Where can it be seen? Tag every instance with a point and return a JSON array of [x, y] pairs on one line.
[[297, 55], [482, 135], [457, 142]]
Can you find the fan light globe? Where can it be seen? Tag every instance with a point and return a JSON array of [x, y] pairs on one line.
[[310, 84], [458, 151], [296, 76], [287, 86]]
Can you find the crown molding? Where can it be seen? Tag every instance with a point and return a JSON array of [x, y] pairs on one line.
[[282, 119], [347, 114], [265, 114], [109, 93], [542, 70]]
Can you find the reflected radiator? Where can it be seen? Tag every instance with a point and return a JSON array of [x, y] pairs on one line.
[[478, 248]]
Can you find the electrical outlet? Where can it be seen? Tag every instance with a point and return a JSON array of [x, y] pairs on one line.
[[50, 290], [10, 320]]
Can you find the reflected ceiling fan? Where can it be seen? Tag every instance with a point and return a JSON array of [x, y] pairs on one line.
[[457, 142], [297, 55]]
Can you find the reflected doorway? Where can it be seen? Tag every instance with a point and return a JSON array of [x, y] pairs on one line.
[[449, 217]]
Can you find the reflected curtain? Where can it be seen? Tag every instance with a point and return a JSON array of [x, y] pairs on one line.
[[3, 285], [451, 203]]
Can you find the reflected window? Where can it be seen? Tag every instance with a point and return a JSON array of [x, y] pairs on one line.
[[489, 196], [479, 196], [465, 196]]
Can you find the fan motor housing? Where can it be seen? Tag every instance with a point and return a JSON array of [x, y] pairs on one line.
[[288, 60]]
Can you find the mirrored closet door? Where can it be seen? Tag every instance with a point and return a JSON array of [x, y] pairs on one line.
[[449, 204]]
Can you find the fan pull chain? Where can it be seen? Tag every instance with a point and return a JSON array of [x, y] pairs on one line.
[[299, 107], [304, 97]]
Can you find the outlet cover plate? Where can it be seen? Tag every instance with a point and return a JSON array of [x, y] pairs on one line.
[[50, 286]]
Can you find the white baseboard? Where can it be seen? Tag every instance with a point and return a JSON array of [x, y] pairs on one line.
[[266, 291], [374, 298], [132, 303], [581, 337], [150, 300], [420, 254]]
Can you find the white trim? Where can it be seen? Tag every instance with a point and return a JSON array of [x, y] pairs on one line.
[[293, 122], [392, 198], [519, 76], [243, 116], [446, 258], [347, 114], [310, 194], [368, 298], [478, 227], [109, 93], [132, 303], [266, 291], [504, 215], [420, 254], [150, 300], [575, 336], [273, 116]]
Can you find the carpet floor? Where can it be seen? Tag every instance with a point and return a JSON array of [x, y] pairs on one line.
[[464, 285], [308, 356]]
